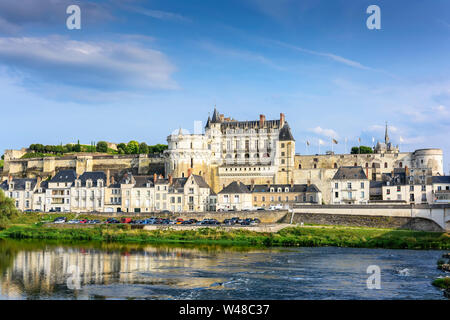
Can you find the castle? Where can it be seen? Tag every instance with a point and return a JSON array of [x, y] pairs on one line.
[[259, 152]]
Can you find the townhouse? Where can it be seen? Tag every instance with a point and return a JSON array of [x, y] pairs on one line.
[[350, 185], [21, 191], [87, 193], [284, 195]]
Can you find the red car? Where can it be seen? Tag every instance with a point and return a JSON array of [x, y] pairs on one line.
[[125, 220], [83, 221]]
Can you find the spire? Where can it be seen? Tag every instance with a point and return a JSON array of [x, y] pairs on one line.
[[386, 135], [215, 117], [208, 123]]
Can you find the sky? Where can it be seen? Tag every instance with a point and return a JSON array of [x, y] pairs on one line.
[[139, 70]]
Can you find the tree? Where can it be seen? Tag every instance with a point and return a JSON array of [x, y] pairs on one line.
[[143, 148], [121, 148], [361, 150], [102, 146], [158, 148], [77, 147], [7, 210], [132, 147]]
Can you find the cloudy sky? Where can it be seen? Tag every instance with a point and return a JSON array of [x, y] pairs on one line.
[[141, 69]]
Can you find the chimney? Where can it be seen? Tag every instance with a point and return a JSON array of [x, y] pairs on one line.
[[268, 183], [38, 181], [108, 177], [308, 182], [221, 117], [9, 178], [189, 172], [406, 171], [262, 120], [155, 178], [170, 179], [252, 184], [112, 179], [282, 120], [292, 183], [161, 176]]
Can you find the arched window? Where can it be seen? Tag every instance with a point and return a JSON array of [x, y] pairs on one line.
[[299, 165], [335, 165], [315, 166], [385, 165], [367, 165], [400, 164], [356, 164]]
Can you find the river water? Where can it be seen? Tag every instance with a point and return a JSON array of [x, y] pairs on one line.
[[46, 270]]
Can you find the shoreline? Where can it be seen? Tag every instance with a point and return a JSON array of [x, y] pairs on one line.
[[290, 236]]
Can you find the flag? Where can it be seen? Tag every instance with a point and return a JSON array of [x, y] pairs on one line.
[[335, 141], [359, 139], [307, 143], [373, 140], [321, 142], [401, 139]]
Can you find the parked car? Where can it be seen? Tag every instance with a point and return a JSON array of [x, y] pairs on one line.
[[73, 221], [112, 221], [126, 220], [60, 220], [83, 221]]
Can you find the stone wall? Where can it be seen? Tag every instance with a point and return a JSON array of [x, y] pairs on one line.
[[364, 221]]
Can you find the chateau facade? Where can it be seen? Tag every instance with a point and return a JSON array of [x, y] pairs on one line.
[[257, 152]]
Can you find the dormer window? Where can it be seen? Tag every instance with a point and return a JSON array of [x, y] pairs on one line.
[[78, 183], [279, 190], [286, 189], [272, 189], [100, 183]]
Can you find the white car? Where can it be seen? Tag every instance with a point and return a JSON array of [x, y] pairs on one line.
[[73, 221]]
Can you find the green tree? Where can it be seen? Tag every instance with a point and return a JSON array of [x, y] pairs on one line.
[[132, 147], [143, 148], [102, 146], [8, 210], [361, 150], [77, 147], [122, 148]]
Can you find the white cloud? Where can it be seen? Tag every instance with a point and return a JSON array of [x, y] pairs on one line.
[[330, 133], [101, 65]]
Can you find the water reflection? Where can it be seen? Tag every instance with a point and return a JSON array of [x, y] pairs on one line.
[[40, 270]]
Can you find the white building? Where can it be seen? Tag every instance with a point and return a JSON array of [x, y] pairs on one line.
[[235, 197], [350, 186], [21, 191], [57, 196], [88, 192]]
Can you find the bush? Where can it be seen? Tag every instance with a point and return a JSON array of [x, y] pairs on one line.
[[102, 146], [8, 210]]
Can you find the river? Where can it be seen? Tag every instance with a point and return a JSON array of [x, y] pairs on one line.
[[46, 270]]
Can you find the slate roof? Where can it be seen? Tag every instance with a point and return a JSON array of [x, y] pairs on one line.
[[200, 181], [295, 188], [398, 179], [286, 134], [64, 176], [441, 179], [19, 184], [350, 173], [94, 176], [235, 187]]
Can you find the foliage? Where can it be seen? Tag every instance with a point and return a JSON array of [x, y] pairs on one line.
[[143, 148], [8, 210], [158, 148], [361, 150], [132, 147], [102, 146], [293, 236], [443, 283]]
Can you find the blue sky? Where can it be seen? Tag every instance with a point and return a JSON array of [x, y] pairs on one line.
[[141, 69]]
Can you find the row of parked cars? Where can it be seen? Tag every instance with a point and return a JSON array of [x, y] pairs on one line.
[[163, 221]]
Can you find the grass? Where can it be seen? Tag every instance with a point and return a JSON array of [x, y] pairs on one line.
[[30, 227], [443, 283], [1, 163]]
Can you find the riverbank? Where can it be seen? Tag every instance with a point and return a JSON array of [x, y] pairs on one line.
[[296, 236]]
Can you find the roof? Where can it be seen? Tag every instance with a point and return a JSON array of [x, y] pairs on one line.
[[19, 184], [294, 188], [235, 187], [350, 173], [398, 179], [376, 184], [440, 179], [64, 176], [285, 133], [200, 181], [94, 176]]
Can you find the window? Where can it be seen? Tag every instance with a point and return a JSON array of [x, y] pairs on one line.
[[349, 185], [388, 191], [350, 195], [335, 165], [411, 188], [362, 194], [336, 194], [315, 166], [424, 188], [236, 198], [336, 185], [385, 165], [362, 185], [398, 188], [225, 198], [299, 165]]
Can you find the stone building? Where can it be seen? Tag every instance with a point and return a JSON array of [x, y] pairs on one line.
[[350, 186], [57, 196], [235, 197], [88, 192], [284, 195], [21, 191]]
